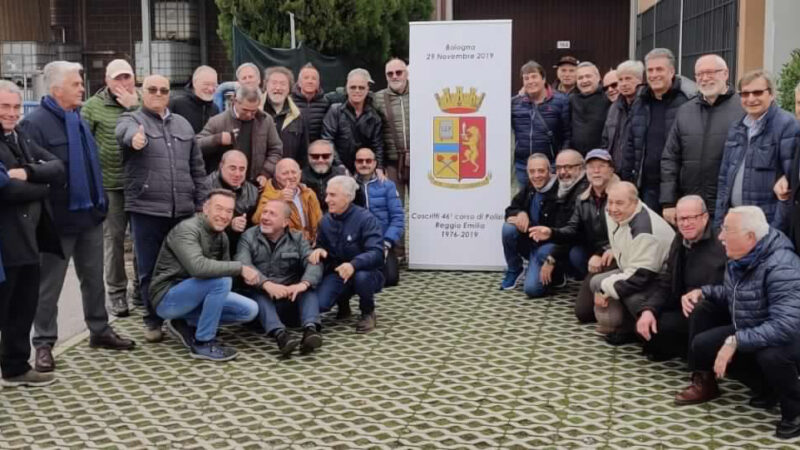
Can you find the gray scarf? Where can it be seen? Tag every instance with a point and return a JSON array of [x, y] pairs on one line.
[[563, 189]]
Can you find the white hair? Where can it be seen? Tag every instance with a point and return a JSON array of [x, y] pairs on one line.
[[348, 184], [363, 73], [661, 53], [56, 71], [717, 59], [11, 87], [752, 220], [693, 198], [631, 67], [250, 65], [202, 69]]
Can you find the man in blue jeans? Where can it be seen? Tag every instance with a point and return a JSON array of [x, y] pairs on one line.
[[286, 277], [536, 204], [192, 283]]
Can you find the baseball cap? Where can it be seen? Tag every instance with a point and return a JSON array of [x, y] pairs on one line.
[[117, 67], [599, 153], [566, 60]]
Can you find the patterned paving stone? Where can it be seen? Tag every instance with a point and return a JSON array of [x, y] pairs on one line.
[[454, 363]]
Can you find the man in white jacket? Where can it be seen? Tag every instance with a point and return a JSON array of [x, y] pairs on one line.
[[640, 240]]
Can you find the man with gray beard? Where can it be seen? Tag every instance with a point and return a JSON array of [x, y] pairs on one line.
[[320, 169]]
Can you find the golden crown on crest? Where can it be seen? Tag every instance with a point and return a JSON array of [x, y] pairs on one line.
[[459, 102]]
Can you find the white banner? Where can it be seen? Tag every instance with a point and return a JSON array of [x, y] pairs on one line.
[[460, 143]]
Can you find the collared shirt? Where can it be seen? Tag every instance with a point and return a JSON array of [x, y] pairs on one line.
[[298, 203], [754, 125]]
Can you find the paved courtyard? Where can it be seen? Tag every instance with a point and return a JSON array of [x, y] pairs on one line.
[[455, 363]]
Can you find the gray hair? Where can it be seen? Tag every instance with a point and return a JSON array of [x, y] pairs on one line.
[[570, 152], [754, 75], [359, 72], [589, 64], [661, 52], [245, 66], [56, 71], [541, 156], [11, 87], [693, 198], [753, 220], [717, 59], [247, 94], [202, 69], [631, 67], [348, 185], [287, 210], [281, 70], [324, 142]]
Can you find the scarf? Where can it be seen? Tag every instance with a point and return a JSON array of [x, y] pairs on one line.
[[85, 189], [564, 188]]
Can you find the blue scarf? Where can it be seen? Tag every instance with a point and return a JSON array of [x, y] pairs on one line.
[[737, 267], [81, 149]]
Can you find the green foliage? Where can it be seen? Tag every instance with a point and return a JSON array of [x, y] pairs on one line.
[[368, 31], [789, 77]]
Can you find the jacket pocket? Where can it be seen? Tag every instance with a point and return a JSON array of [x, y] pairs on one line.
[[764, 157]]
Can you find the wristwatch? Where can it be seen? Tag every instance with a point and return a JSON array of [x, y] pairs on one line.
[[550, 260], [731, 341]]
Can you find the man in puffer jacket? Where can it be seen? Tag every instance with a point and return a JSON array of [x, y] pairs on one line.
[[758, 151], [311, 101], [381, 198], [540, 119], [588, 108], [749, 326]]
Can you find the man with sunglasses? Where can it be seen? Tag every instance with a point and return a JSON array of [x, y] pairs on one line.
[[320, 169], [101, 112], [758, 150], [164, 181], [392, 103], [611, 85], [691, 159]]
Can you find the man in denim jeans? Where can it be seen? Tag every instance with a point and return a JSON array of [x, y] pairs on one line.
[[286, 277], [191, 284]]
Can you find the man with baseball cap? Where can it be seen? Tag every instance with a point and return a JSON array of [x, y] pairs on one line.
[[101, 112], [566, 71], [588, 226]]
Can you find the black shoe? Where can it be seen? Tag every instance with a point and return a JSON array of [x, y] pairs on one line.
[[764, 401], [617, 339], [182, 330], [343, 312], [312, 340], [111, 341], [788, 428], [286, 344]]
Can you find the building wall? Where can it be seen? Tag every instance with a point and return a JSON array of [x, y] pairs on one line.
[[24, 20], [781, 33]]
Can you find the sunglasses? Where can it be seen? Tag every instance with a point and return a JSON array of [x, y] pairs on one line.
[[755, 93], [611, 86], [320, 156], [364, 161], [396, 73], [152, 90], [357, 88]]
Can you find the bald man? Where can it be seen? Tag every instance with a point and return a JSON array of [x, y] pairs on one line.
[[303, 202], [232, 175], [588, 108], [164, 180], [640, 240], [695, 144]]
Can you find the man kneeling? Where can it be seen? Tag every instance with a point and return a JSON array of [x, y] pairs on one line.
[[286, 276], [754, 315], [192, 280]]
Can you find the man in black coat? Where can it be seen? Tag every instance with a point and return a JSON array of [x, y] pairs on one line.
[[696, 257], [197, 106], [588, 109], [26, 228], [313, 103], [320, 169], [232, 175], [615, 130], [693, 152], [651, 117]]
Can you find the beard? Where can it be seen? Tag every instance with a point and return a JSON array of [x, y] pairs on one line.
[[320, 168]]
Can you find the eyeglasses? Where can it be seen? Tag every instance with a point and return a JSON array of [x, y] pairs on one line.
[[755, 93], [708, 73], [611, 86], [396, 73], [364, 161], [690, 218], [152, 90], [357, 88], [568, 166], [320, 156]]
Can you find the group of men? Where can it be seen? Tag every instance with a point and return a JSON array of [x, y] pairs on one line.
[[270, 210], [720, 165]]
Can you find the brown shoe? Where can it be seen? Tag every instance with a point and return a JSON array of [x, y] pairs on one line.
[[111, 341], [31, 378], [44, 359], [367, 323], [703, 389]]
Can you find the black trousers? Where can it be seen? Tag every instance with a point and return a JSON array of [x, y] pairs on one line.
[[766, 370], [672, 338], [19, 297], [391, 269]]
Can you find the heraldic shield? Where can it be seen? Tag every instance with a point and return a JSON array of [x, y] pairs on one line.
[[459, 148]]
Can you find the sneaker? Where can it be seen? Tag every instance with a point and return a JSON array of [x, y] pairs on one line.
[[286, 343], [312, 340], [367, 323], [181, 330], [119, 307], [153, 335], [510, 280], [212, 351], [30, 378]]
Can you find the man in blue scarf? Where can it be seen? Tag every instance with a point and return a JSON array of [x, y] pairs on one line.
[[79, 208]]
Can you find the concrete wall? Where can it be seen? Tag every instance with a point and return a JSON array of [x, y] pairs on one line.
[[781, 33]]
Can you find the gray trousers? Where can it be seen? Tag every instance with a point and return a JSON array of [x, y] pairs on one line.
[[86, 250], [114, 228]]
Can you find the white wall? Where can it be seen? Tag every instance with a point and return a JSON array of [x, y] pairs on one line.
[[781, 33]]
